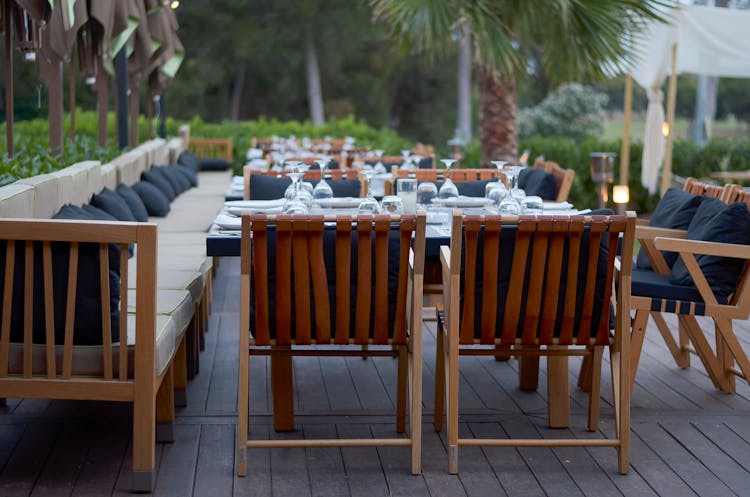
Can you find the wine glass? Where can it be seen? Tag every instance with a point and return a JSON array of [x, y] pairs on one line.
[[322, 193], [499, 164], [448, 190], [368, 204], [426, 193]]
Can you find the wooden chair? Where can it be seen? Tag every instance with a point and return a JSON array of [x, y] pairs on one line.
[[554, 265], [563, 177], [310, 175], [456, 175], [727, 358], [312, 253], [205, 148], [52, 366]]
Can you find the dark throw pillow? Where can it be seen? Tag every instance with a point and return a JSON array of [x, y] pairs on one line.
[[715, 221], [538, 182], [157, 178], [175, 179], [342, 187], [264, 187], [131, 197], [112, 203], [215, 165], [189, 160], [154, 199], [473, 188], [675, 210], [188, 173]]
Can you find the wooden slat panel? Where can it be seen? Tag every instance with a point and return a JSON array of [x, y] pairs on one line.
[[472, 226], [28, 309], [517, 279], [407, 227], [571, 289], [536, 281], [300, 264], [70, 310], [380, 323], [283, 300], [64, 230], [262, 330], [319, 281], [123, 374], [106, 321], [596, 230], [343, 277], [49, 311], [10, 265], [364, 280], [556, 266], [492, 227]]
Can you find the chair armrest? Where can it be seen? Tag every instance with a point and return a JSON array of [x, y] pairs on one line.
[[646, 235]]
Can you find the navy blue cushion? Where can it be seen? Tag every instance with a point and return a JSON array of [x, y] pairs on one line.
[[342, 187], [178, 182], [134, 202], [538, 182], [88, 319], [156, 177], [715, 221], [188, 173], [112, 203], [264, 187], [189, 160], [214, 165], [675, 211], [467, 188], [154, 199], [647, 283], [95, 213], [425, 163]]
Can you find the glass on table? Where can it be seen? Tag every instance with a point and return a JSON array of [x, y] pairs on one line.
[[426, 193], [495, 192], [406, 189], [392, 204], [532, 204], [322, 192], [448, 191], [369, 204]]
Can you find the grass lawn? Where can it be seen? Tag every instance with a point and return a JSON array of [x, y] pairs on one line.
[[721, 129]]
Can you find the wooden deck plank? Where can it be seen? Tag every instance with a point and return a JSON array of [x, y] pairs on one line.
[[396, 462], [289, 468], [435, 465], [215, 464], [362, 464], [222, 396], [107, 448], [342, 395], [62, 468], [309, 387], [178, 464], [325, 466], [257, 483], [475, 472], [201, 383], [20, 474], [372, 392]]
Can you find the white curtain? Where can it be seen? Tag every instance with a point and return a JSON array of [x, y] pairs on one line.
[[654, 140]]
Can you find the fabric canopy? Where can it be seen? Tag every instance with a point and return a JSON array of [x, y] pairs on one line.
[[709, 40]]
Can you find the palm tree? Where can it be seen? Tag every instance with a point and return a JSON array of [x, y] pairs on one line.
[[576, 39]]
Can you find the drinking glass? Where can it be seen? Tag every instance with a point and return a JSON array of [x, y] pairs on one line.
[[499, 164], [406, 188], [392, 204], [426, 193], [368, 204], [322, 193], [448, 190], [495, 193]]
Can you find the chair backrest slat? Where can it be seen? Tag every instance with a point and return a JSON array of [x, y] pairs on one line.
[[560, 227], [49, 313], [300, 264], [28, 309], [105, 302], [10, 264], [399, 325], [262, 328], [123, 373], [381, 322], [472, 225], [490, 266], [319, 283], [283, 297], [571, 290], [536, 279], [343, 278], [514, 300], [364, 282], [70, 310]]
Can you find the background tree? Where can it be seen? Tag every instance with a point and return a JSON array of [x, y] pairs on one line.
[[573, 39]]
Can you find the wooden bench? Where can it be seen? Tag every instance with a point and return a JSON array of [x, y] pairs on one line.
[[212, 148]]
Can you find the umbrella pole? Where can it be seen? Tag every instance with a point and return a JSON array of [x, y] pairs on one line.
[[627, 117], [135, 101], [50, 67], [666, 173], [102, 97], [72, 97], [9, 110], [121, 71]]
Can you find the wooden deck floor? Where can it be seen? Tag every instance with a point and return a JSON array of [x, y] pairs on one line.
[[688, 439]]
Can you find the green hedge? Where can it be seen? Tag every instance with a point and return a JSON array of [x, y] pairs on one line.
[[688, 160]]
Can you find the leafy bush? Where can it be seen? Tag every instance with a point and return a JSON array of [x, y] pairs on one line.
[[571, 110]]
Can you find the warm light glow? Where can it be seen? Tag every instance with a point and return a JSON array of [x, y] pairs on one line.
[[175, 4], [665, 128], [621, 194]]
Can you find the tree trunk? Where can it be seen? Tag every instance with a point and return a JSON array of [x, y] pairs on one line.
[[497, 117], [464, 88], [239, 83], [314, 94]]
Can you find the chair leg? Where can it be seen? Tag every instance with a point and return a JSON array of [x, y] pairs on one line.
[[638, 333], [165, 414], [415, 390], [144, 436], [558, 391], [528, 372], [595, 360], [403, 367], [181, 373], [584, 375], [679, 349], [452, 401], [439, 409], [502, 353]]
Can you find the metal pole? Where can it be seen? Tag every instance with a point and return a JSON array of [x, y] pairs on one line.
[[163, 115], [666, 173], [121, 74], [102, 97], [625, 148], [72, 97], [9, 110]]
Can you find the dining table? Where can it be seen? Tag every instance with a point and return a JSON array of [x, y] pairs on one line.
[[223, 240]]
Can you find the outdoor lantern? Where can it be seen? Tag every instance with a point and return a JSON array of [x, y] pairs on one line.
[[665, 128], [603, 172], [28, 34], [621, 196]]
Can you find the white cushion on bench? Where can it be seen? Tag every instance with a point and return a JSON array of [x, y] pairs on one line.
[[175, 303], [46, 194], [16, 200]]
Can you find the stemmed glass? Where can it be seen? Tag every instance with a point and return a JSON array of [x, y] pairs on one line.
[[322, 193], [448, 190], [368, 204]]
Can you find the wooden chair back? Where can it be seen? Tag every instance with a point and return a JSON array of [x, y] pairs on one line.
[[219, 148], [456, 175], [329, 283], [310, 175], [563, 177], [727, 193]]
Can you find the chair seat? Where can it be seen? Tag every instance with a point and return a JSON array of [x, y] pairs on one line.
[[174, 303], [647, 283]]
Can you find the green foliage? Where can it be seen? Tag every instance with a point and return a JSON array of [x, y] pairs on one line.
[[572, 110]]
